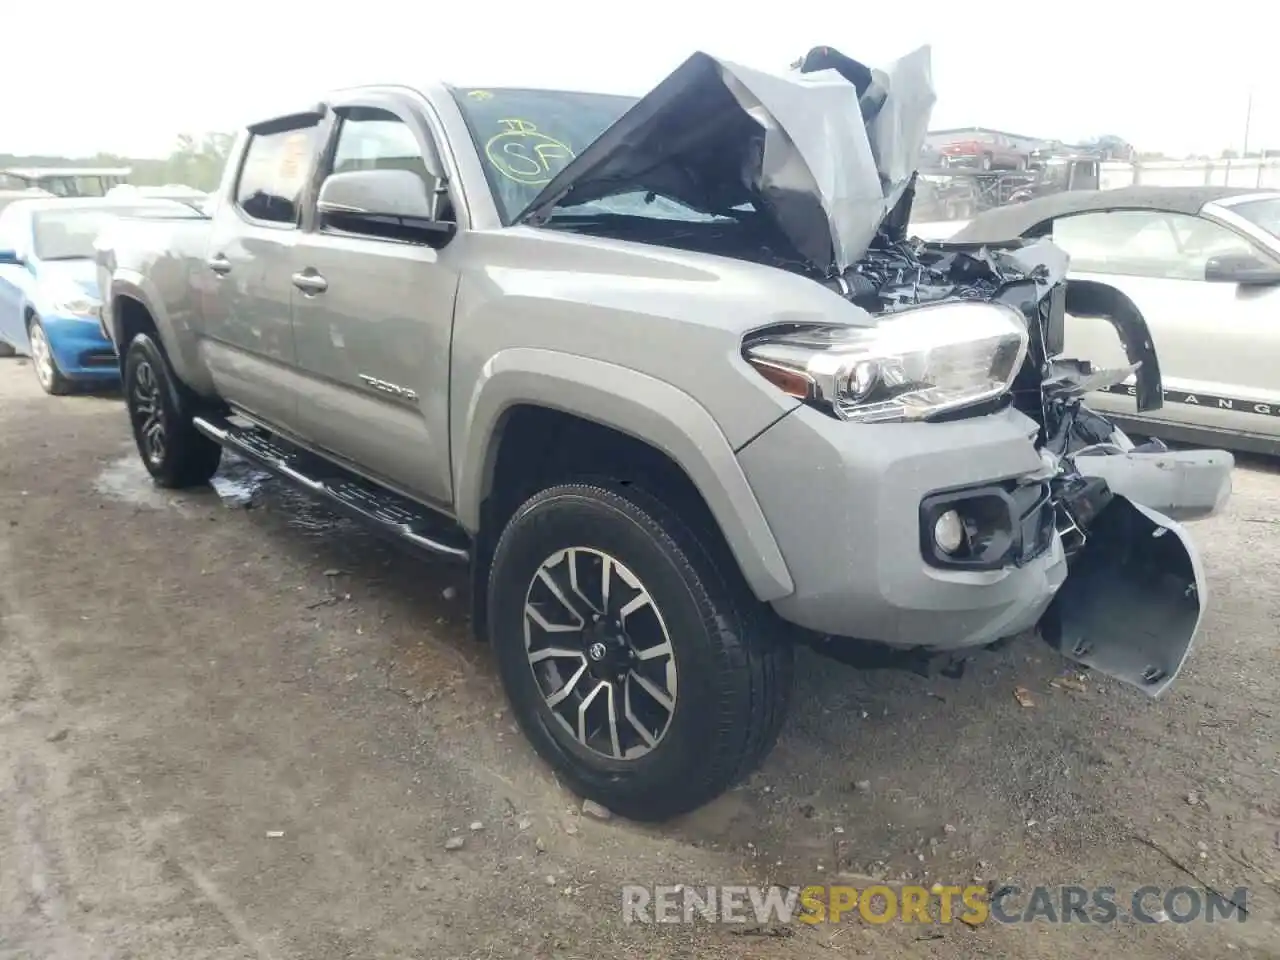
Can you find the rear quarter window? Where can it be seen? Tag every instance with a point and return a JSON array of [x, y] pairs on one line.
[[275, 171]]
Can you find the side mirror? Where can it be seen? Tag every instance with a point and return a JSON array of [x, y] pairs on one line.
[[10, 258], [1240, 268], [388, 203]]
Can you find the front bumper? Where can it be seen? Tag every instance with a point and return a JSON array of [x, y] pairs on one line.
[[80, 349], [849, 527], [852, 530]]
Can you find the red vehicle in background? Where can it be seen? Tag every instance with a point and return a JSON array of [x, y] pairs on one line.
[[985, 151]]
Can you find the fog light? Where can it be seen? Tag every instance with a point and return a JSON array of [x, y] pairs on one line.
[[948, 532]]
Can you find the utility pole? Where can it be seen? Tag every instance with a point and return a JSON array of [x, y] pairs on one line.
[[1244, 148], [1248, 116]]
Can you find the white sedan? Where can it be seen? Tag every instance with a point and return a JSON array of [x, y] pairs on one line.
[[1202, 264]]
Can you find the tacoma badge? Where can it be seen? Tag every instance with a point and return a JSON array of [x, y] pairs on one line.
[[391, 388]]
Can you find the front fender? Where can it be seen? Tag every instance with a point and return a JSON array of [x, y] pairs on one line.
[[127, 283], [634, 403]]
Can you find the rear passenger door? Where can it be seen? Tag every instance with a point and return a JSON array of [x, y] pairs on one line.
[[372, 317], [244, 288]]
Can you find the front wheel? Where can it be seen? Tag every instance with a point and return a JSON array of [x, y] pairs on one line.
[[175, 453], [642, 671], [51, 379]]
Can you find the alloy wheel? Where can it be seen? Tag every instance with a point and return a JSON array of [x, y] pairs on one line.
[[148, 412], [600, 653], [42, 356]]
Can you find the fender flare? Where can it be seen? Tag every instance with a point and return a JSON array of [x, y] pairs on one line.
[[136, 286], [650, 410], [1091, 298]]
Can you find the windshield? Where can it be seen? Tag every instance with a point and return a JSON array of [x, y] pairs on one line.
[[68, 233], [526, 137], [1261, 213]]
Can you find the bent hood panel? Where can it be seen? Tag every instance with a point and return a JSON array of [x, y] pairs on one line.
[[715, 135]]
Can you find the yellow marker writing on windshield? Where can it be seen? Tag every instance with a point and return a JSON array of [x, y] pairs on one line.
[[524, 154]]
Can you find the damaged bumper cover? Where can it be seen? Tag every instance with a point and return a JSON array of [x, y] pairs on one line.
[[1115, 585], [1134, 599]]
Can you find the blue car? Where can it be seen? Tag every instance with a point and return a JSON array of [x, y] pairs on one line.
[[49, 287]]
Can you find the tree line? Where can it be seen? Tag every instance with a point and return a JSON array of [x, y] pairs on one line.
[[196, 161]]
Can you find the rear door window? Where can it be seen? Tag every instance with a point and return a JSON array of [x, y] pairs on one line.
[[275, 171]]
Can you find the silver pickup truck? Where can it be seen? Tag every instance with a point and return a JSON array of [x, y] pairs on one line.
[[669, 374]]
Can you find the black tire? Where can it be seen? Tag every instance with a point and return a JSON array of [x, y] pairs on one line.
[[43, 363], [733, 669], [174, 452]]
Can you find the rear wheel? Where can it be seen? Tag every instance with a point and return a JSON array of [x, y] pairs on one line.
[[175, 453], [43, 361], [650, 680]]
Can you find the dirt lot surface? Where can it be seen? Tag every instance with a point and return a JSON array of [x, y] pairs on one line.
[[234, 727]]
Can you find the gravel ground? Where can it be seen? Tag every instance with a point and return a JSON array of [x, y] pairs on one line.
[[232, 726]]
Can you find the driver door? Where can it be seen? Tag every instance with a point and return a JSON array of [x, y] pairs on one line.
[[372, 319], [1216, 341]]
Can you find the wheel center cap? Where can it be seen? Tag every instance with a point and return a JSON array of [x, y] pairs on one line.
[[606, 649]]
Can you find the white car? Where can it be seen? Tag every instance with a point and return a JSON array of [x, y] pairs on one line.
[[1202, 265]]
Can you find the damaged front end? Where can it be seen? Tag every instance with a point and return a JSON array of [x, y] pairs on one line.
[[814, 172], [1135, 593], [1133, 599]]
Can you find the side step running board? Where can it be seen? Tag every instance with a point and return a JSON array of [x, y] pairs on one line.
[[381, 509]]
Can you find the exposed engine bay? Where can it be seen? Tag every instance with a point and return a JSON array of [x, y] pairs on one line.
[[815, 173]]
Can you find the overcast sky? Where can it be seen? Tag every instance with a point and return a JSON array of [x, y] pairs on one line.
[[127, 76]]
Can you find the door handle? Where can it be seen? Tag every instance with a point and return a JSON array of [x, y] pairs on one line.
[[310, 283], [219, 264]]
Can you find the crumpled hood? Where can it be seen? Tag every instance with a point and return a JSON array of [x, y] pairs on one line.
[[715, 135]]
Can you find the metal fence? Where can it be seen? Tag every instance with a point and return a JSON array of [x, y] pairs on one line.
[[1192, 173]]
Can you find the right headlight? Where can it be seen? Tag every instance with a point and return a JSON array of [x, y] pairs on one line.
[[76, 306], [911, 365]]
